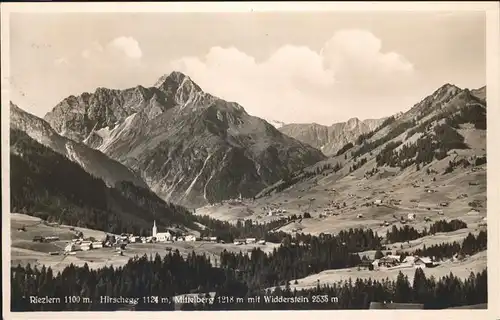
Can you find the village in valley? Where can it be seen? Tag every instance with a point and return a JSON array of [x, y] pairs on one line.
[[120, 242], [393, 257]]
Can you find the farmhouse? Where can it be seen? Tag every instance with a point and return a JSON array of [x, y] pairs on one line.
[[163, 236], [377, 202], [96, 245], [53, 238], [391, 305], [250, 240], [473, 212], [411, 216], [423, 262], [387, 261], [190, 237], [71, 247], [86, 245], [261, 241], [366, 264], [211, 239], [409, 260], [134, 239], [239, 241]]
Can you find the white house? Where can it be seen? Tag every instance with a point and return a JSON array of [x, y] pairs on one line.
[[163, 236], [53, 238], [409, 260], [250, 240], [261, 242], [134, 239], [96, 245], [411, 216], [86, 243], [377, 202], [190, 237], [71, 247], [239, 241], [423, 262]]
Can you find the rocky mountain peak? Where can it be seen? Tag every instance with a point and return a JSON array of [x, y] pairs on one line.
[[353, 122], [445, 90], [174, 81], [180, 87]]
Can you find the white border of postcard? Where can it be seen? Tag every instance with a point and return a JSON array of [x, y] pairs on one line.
[[493, 192]]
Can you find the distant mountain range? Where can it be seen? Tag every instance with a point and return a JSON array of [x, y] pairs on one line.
[[193, 149], [329, 139], [188, 146], [443, 128]]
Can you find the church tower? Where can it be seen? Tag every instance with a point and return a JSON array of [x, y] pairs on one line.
[[154, 228]]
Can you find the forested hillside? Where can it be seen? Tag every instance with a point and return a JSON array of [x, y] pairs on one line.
[[48, 185]]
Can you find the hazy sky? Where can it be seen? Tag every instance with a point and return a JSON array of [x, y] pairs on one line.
[[292, 67]]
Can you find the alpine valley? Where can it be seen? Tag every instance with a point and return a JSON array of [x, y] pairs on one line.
[[266, 206]]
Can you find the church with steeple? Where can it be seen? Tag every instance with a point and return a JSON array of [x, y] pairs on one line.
[[160, 236], [155, 230]]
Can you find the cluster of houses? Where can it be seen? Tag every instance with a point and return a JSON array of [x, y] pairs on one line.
[[248, 241], [276, 212], [393, 261], [45, 239], [168, 236], [82, 245]]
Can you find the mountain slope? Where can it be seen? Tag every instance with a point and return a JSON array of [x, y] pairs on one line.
[[93, 161], [431, 131], [45, 183], [192, 148], [435, 152], [329, 139], [480, 93]]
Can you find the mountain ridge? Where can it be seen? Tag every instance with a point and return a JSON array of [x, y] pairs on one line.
[[329, 139], [191, 147], [448, 119], [94, 162]]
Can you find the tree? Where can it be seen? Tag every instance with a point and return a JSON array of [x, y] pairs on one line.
[[307, 215], [402, 291], [379, 254]]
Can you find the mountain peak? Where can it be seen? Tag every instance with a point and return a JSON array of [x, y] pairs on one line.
[[353, 122], [447, 87], [175, 79]]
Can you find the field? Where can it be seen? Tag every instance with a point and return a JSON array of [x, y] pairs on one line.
[[24, 250]]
